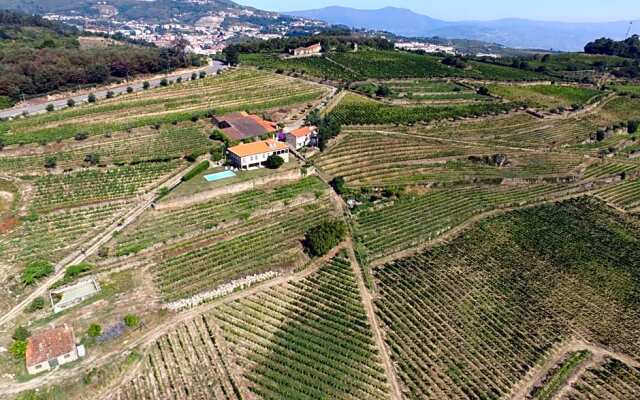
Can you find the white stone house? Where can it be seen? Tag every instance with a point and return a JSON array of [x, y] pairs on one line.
[[300, 137], [254, 155], [50, 348]]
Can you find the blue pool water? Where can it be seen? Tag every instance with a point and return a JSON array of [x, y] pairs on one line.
[[219, 175]]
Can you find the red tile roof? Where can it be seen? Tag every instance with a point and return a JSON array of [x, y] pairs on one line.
[[304, 131], [49, 344], [260, 147]]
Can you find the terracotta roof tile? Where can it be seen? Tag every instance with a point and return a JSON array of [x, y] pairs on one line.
[[304, 131], [49, 344], [260, 147]]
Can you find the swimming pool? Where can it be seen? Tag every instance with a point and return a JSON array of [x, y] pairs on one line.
[[219, 175]]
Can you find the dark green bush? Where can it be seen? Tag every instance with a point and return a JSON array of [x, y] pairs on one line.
[[320, 239], [203, 166]]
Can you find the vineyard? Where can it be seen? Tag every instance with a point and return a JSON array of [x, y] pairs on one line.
[[546, 96], [140, 145], [481, 344], [232, 91], [611, 380], [308, 339], [356, 110], [186, 363]]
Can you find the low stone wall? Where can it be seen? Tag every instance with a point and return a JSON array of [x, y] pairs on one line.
[[186, 201]]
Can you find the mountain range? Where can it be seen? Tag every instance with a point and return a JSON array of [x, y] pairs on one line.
[[516, 33]]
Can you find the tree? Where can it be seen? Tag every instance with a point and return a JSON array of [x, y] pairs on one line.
[[94, 330], [145, 85], [129, 89], [71, 103], [179, 79], [383, 91], [21, 333], [36, 304], [203, 74], [232, 55], [320, 239], [194, 76], [18, 349], [338, 184], [163, 82], [110, 94], [131, 320], [313, 118], [633, 125], [92, 159], [36, 270], [91, 98], [483, 91], [274, 161], [50, 162], [50, 107], [81, 136]]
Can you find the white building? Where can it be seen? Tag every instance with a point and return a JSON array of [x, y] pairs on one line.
[[300, 137], [48, 349], [68, 296], [254, 155]]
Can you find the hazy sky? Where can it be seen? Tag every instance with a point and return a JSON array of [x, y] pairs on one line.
[[550, 10]]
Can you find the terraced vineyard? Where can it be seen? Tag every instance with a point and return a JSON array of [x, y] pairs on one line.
[[611, 380], [415, 219], [185, 363], [547, 96], [625, 194], [232, 91], [143, 144], [308, 339], [96, 185], [466, 320], [385, 158]]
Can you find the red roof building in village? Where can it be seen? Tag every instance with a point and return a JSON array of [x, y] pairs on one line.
[[301, 137], [51, 348]]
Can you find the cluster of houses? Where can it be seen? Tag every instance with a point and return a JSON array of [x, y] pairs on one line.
[[263, 139]]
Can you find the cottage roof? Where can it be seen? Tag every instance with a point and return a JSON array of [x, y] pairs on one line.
[[242, 125], [302, 132], [260, 147], [49, 344]]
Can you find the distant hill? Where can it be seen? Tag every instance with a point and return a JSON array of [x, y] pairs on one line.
[[517, 33]]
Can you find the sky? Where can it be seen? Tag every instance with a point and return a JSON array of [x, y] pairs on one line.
[[455, 10]]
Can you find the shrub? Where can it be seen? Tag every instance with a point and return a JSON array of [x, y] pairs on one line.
[[203, 166], [81, 136], [50, 107], [91, 98], [194, 76], [274, 161], [18, 349], [21, 333], [129, 89], [73, 271], [36, 270], [50, 162], [145, 85], [110, 94], [202, 74], [131, 320], [632, 126], [36, 304], [163, 82], [216, 154], [92, 159], [94, 330], [179, 79], [195, 118], [71, 103], [320, 239], [338, 184], [383, 91], [483, 91]]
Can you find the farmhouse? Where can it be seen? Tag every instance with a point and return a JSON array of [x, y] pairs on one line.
[[254, 155], [314, 49], [50, 348], [240, 125], [300, 137]]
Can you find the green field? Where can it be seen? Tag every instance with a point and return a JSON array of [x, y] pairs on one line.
[[546, 96]]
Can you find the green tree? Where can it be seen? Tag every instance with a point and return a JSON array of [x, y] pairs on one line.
[[94, 330], [164, 82], [91, 98], [21, 333], [129, 89], [145, 85], [203, 74], [483, 91], [36, 270], [50, 162], [231, 55], [131, 320], [36, 304], [320, 239], [632, 126], [194, 76], [110, 94], [383, 91], [313, 118], [50, 107], [71, 103], [274, 161], [338, 184], [18, 349]]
